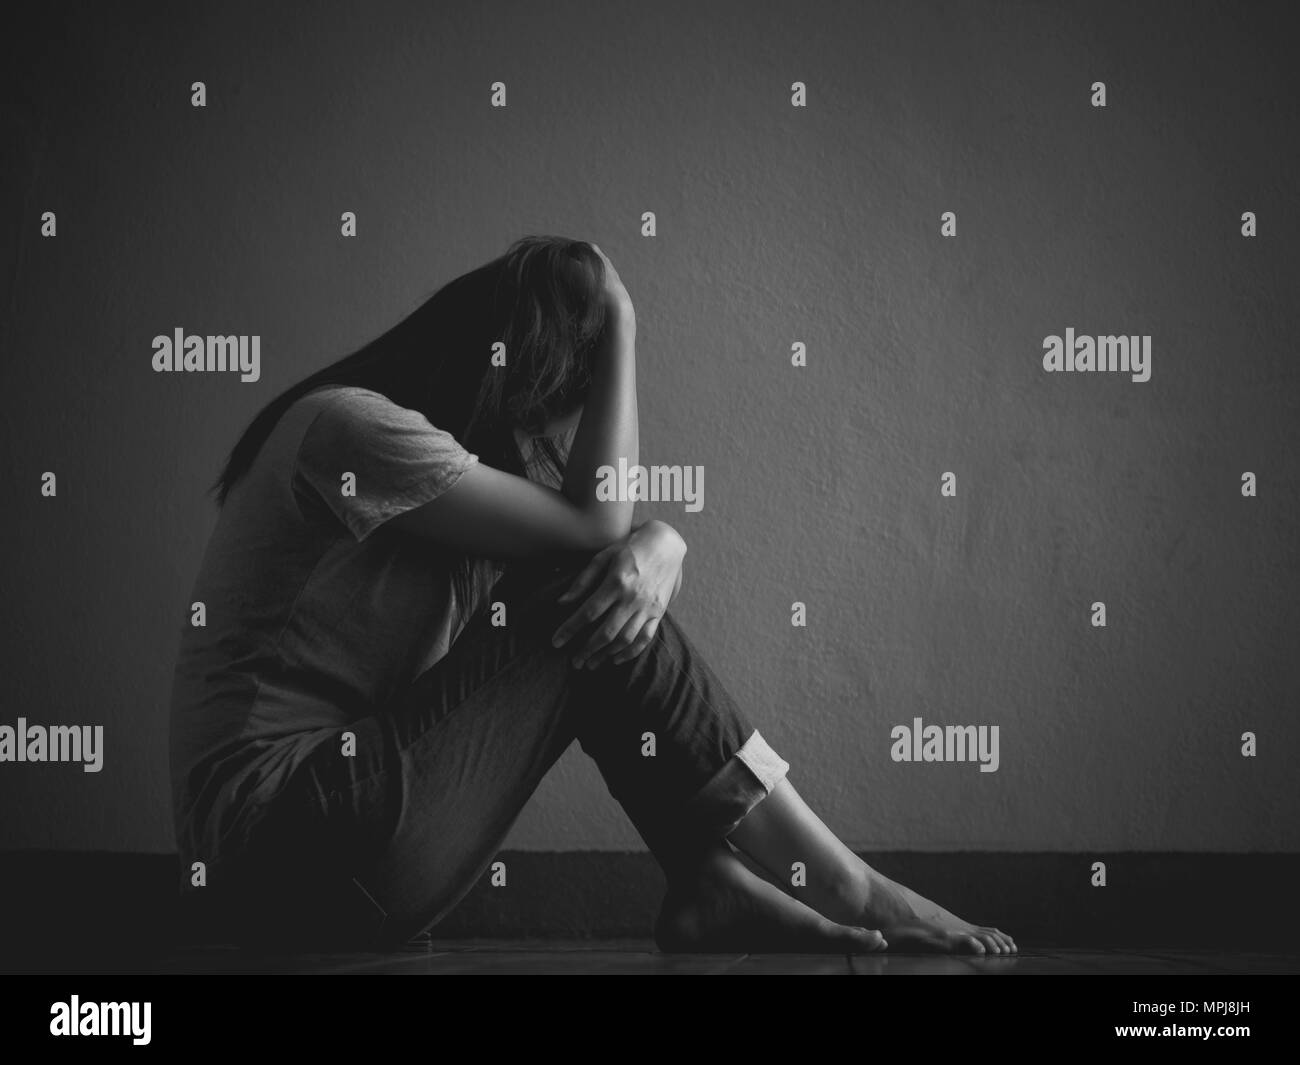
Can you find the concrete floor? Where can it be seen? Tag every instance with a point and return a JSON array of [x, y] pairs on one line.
[[640, 956]]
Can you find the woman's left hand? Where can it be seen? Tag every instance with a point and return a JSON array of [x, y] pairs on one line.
[[634, 580]]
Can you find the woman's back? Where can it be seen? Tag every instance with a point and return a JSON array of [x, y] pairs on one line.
[[310, 621]]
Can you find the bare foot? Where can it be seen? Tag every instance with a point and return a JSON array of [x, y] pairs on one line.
[[913, 923], [959, 937], [725, 907]]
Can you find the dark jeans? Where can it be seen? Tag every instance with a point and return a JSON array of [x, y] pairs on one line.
[[373, 849]]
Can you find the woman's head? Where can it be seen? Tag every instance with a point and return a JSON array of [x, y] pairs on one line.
[[548, 312], [502, 348]]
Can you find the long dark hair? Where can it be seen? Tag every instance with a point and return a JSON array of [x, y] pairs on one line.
[[541, 299]]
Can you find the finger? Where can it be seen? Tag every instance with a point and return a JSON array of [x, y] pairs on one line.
[[606, 632], [633, 650], [595, 606], [627, 635], [643, 640]]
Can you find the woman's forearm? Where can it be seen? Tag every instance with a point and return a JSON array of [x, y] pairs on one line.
[[607, 430]]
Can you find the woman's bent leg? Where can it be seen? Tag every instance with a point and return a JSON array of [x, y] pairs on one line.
[[381, 843]]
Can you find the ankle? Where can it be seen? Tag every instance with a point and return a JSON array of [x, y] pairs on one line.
[[850, 892], [873, 900], [688, 871]]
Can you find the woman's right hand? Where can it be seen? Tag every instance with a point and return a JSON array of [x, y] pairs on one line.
[[616, 295]]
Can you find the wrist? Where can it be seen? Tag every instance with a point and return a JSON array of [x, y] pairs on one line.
[[665, 532]]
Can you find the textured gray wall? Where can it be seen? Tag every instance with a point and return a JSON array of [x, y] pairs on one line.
[[776, 224]]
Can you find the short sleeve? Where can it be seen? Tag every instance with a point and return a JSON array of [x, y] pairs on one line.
[[397, 460]]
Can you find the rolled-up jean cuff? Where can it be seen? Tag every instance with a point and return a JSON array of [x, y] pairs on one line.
[[746, 779]]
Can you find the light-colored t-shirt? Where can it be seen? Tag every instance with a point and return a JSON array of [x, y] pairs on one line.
[[315, 614]]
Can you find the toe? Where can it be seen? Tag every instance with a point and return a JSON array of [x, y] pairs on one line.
[[856, 940]]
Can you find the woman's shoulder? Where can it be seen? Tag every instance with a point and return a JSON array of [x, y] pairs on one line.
[[343, 395], [343, 406], [325, 412], [351, 416]]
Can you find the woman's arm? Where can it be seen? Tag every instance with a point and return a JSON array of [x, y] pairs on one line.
[[493, 514], [608, 429], [628, 587]]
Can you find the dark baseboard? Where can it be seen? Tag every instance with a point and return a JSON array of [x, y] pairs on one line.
[[1188, 901]]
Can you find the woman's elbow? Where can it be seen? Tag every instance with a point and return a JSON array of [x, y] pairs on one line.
[[606, 525]]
